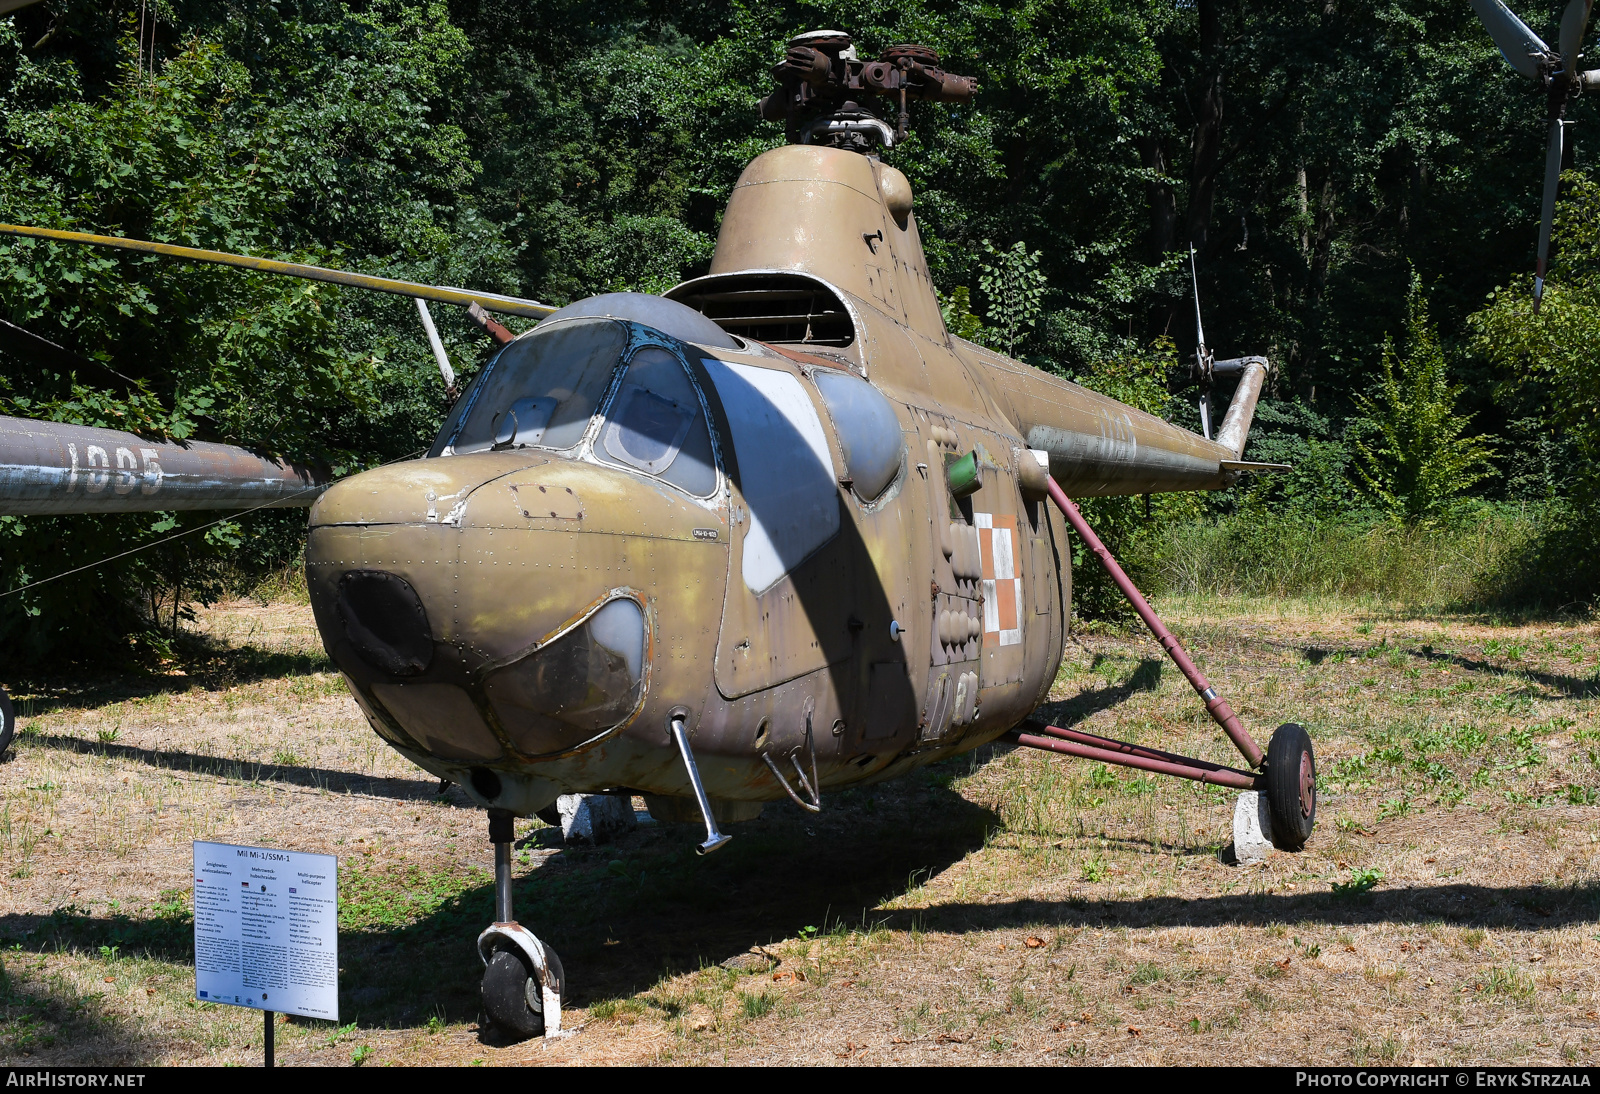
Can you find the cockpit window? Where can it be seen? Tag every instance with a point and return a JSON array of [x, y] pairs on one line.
[[656, 424], [542, 390]]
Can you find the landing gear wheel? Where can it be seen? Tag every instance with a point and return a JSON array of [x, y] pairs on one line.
[[8, 722], [1291, 787], [510, 991]]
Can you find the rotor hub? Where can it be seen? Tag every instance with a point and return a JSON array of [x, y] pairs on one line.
[[826, 94]]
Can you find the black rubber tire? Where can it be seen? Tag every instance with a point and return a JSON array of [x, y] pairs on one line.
[[550, 815], [8, 721], [505, 995], [1291, 787]]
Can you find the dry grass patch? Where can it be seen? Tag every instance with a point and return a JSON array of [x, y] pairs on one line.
[[1004, 906]]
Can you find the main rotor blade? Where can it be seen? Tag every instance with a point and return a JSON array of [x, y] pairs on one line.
[[1552, 180], [1518, 45], [1573, 22], [506, 305]]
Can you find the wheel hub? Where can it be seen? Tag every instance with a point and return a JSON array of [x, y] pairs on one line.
[[1308, 784]]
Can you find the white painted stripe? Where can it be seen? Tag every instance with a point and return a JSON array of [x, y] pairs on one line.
[[785, 468], [991, 608], [1004, 565]]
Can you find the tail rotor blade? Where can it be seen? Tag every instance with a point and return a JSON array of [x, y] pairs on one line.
[[1573, 23], [1518, 45], [1552, 180], [1199, 327]]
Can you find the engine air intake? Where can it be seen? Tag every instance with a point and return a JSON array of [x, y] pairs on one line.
[[385, 622], [771, 307]]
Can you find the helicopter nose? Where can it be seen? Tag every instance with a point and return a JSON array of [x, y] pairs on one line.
[[499, 619]]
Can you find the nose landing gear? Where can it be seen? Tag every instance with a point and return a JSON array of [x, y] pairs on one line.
[[522, 977]]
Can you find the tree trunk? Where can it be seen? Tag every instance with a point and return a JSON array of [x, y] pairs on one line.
[[1163, 202]]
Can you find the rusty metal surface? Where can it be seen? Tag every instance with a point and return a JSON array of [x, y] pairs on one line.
[[1216, 705], [51, 467], [1095, 741], [1238, 780]]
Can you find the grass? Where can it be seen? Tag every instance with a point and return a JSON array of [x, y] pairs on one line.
[[1004, 905], [1424, 567]]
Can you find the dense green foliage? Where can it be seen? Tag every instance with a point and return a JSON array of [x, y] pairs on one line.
[[1314, 154], [1418, 464]]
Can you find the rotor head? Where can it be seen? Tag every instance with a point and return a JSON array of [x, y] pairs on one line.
[[826, 94]]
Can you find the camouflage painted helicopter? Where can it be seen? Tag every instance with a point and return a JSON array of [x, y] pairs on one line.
[[771, 534]]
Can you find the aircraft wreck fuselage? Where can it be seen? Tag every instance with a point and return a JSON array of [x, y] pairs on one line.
[[735, 506]]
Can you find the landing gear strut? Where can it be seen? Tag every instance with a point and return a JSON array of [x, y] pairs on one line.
[[1286, 772], [522, 977]]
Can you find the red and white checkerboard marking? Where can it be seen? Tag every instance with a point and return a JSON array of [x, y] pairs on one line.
[[1002, 586]]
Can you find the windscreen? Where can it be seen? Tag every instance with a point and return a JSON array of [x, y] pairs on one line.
[[656, 424], [542, 390]]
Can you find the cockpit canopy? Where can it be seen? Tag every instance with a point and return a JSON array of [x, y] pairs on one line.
[[544, 391]]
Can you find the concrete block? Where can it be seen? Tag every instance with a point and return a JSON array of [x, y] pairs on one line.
[[595, 818], [1252, 830]]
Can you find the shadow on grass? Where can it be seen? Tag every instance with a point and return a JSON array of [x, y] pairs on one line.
[[1068, 712], [1567, 686], [203, 663], [621, 916], [322, 778], [43, 1021], [1519, 908], [625, 915], [1571, 687]]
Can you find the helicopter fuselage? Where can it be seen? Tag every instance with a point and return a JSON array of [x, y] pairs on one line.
[[784, 505]]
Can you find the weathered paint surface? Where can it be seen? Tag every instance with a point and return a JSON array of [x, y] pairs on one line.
[[900, 628], [52, 467]]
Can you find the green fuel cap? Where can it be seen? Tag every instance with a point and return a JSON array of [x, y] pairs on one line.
[[961, 475]]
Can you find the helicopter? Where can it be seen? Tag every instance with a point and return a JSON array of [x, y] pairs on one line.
[[773, 533]]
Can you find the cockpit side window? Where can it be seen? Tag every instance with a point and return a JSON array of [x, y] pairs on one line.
[[657, 425], [542, 390]]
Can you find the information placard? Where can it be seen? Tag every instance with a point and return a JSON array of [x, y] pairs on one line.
[[266, 929]]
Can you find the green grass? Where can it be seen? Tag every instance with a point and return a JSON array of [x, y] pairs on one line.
[[1507, 982], [756, 1004], [1253, 554], [1362, 880]]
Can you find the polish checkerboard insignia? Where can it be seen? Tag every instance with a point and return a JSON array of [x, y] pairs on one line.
[[1002, 585]]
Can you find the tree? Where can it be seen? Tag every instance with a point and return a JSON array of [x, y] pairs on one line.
[[1014, 288], [1420, 462]]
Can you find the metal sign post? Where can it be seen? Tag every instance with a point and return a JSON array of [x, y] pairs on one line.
[[266, 932]]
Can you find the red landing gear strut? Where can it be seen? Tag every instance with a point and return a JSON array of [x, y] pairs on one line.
[[1286, 772]]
